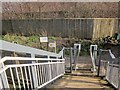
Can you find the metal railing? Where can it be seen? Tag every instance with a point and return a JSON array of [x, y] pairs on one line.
[[33, 74], [109, 69], [112, 72], [93, 54]]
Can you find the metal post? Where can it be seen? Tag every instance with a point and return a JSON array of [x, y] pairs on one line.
[[34, 73], [93, 54], [77, 48], [71, 57], [55, 47], [99, 64], [119, 75], [3, 77], [63, 53], [75, 51]]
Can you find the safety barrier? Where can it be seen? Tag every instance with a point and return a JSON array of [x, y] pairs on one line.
[[33, 74]]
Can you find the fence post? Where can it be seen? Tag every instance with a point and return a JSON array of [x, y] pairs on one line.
[[34, 73]]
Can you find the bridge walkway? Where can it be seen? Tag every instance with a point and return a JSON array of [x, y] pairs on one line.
[[80, 80]]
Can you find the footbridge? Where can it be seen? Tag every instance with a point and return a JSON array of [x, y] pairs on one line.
[[23, 67]]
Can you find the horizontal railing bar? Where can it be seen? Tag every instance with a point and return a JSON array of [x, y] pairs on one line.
[[29, 59], [50, 81], [104, 50], [7, 46], [21, 65], [114, 65]]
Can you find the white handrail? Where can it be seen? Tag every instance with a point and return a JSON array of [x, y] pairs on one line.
[[112, 55], [48, 72], [26, 58], [32, 67], [7, 46]]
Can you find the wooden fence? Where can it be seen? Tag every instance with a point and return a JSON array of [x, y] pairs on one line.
[[82, 28], [104, 27]]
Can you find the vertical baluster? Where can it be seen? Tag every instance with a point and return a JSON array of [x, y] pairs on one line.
[[22, 77], [63, 67], [30, 77], [18, 77], [46, 72], [60, 68], [1, 84], [40, 74], [43, 73], [56, 69], [51, 71], [26, 76], [4, 77], [38, 71], [13, 81], [49, 68], [36, 74]]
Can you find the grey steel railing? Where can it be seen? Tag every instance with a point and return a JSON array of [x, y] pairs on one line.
[[34, 74], [113, 71], [109, 68]]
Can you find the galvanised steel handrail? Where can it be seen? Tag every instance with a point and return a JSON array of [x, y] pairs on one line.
[[93, 54], [34, 74], [112, 72], [112, 69], [27, 59], [31, 75], [7, 46]]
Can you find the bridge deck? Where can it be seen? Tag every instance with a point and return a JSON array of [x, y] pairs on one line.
[[80, 80]]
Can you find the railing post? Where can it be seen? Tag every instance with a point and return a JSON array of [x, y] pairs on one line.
[[3, 78], [119, 75], [99, 64], [93, 54], [50, 75], [71, 57], [34, 73]]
